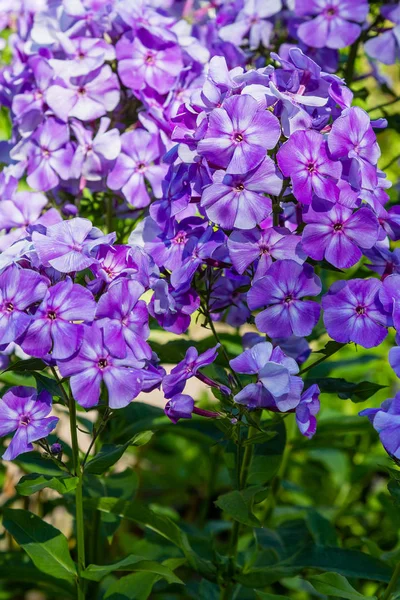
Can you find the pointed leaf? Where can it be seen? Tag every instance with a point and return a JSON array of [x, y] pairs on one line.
[[130, 563], [29, 484], [333, 584]]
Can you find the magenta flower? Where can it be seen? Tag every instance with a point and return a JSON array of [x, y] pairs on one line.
[[87, 97], [338, 234], [25, 411], [140, 66], [335, 22], [175, 382], [67, 246], [304, 159], [263, 246], [353, 138], [239, 134], [19, 289], [124, 319], [135, 165], [57, 326], [49, 154], [94, 365], [281, 290], [238, 200], [353, 312]]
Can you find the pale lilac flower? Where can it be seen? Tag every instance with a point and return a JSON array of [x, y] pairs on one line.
[[251, 22], [94, 155], [22, 210], [25, 411], [386, 421]]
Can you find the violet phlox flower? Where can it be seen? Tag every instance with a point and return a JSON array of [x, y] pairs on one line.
[[68, 246], [251, 22], [19, 290], [304, 158], [238, 201], [277, 387], [136, 164], [339, 235], [124, 319], [175, 382], [354, 313], [182, 406], [22, 210], [282, 290], [239, 134], [95, 154], [389, 296], [94, 365], [307, 409], [172, 308], [25, 412], [58, 326], [386, 421]]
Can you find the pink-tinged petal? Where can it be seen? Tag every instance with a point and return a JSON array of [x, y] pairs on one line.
[[85, 387], [341, 252], [123, 385], [19, 444]]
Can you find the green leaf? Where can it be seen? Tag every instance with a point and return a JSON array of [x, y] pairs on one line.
[[110, 454], [133, 511], [44, 544], [356, 392], [29, 484], [31, 364], [238, 505], [265, 596], [132, 587], [321, 529], [48, 384], [34, 462], [333, 584], [131, 563], [267, 457], [260, 438]]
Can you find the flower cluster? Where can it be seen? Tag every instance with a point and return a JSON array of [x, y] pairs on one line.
[[243, 176]]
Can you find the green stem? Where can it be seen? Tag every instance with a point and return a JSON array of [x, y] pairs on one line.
[[349, 71], [389, 103], [392, 583], [320, 360], [80, 524]]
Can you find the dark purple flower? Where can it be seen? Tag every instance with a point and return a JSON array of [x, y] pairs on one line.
[[264, 245], [306, 410], [93, 365], [67, 246], [228, 300], [281, 290], [87, 97], [25, 411], [338, 234], [304, 159], [19, 289], [135, 165], [178, 407], [124, 319], [239, 134], [386, 421], [175, 382], [277, 388], [172, 308], [353, 138], [353, 312], [57, 326], [238, 200], [140, 66], [335, 22]]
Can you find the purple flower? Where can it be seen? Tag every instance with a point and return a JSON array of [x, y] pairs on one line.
[[385, 47], [389, 296], [251, 22], [281, 290], [228, 301], [124, 319], [135, 165], [338, 234], [239, 134], [67, 246], [28, 106], [84, 55], [173, 308], [87, 97], [175, 382], [304, 159], [353, 138], [25, 411], [22, 210], [386, 421], [277, 388], [238, 200], [333, 23], [139, 66], [94, 365], [306, 410], [94, 155], [49, 154], [394, 359], [178, 407], [265, 245], [57, 325], [19, 289], [353, 312]]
